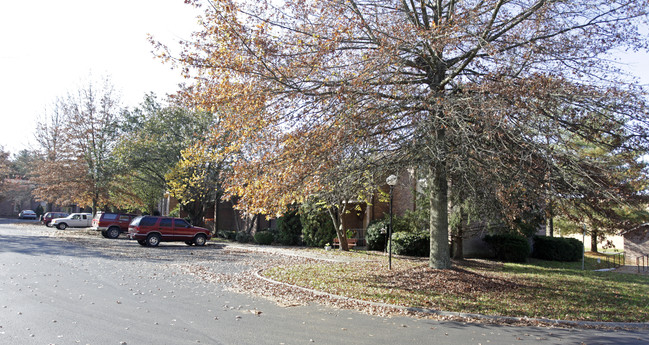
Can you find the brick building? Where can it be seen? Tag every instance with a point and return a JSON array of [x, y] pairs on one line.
[[636, 243]]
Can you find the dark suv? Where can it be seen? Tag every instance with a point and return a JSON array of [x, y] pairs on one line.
[[111, 224], [47, 217], [151, 230]]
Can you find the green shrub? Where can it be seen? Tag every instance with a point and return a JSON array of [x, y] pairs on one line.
[[264, 237], [411, 243], [411, 221], [175, 212], [289, 228], [317, 226], [509, 247], [243, 237], [376, 234], [227, 234], [557, 248]]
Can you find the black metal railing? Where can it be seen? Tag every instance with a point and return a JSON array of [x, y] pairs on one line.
[[614, 260], [359, 235], [642, 262]]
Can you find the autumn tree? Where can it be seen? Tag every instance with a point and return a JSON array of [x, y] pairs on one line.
[[452, 86], [5, 170], [78, 141], [196, 179], [344, 186], [153, 137], [58, 174]]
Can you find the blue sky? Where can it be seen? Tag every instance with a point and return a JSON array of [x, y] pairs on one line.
[[49, 48]]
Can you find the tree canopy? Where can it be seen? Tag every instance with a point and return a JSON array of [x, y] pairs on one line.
[[77, 141], [5, 170], [600, 212], [153, 138], [486, 87]]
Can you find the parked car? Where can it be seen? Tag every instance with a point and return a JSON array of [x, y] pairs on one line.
[[111, 224], [47, 217], [27, 214], [74, 220], [151, 230]]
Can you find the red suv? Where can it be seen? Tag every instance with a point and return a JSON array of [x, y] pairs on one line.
[[47, 217], [111, 224], [151, 230]]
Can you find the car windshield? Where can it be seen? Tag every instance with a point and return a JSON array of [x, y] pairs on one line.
[[136, 221]]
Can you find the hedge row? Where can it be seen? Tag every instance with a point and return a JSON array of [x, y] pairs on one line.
[[557, 248], [264, 237], [509, 247], [411, 243]]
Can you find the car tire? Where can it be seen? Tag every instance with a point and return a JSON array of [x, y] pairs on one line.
[[200, 240], [189, 243], [153, 240], [142, 242], [104, 234], [48, 224], [112, 232], [61, 226]]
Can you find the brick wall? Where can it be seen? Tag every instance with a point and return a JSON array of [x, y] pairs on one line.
[[636, 243]]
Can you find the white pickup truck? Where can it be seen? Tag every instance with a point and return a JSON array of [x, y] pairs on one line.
[[74, 220]]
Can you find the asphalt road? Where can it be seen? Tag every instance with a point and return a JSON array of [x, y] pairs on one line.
[[54, 291]]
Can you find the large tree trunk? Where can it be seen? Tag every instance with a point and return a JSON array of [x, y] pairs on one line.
[[549, 219], [458, 236], [252, 224], [440, 256], [457, 245], [593, 241], [237, 218], [195, 212], [217, 199], [94, 204]]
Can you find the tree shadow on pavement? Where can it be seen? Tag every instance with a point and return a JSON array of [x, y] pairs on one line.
[[43, 245]]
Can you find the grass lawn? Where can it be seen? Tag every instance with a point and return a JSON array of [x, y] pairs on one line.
[[536, 289]]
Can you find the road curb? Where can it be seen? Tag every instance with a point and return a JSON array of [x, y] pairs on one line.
[[508, 319]]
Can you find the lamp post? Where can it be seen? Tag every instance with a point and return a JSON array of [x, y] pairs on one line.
[[583, 252], [391, 181]]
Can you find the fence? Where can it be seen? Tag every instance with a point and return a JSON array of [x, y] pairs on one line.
[[359, 235], [614, 259], [642, 262]]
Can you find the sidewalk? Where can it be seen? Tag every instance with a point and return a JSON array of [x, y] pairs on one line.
[[304, 252]]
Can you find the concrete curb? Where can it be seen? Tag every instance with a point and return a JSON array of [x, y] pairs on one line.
[[583, 324], [567, 323]]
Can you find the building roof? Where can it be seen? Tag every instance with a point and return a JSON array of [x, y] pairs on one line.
[[644, 226]]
